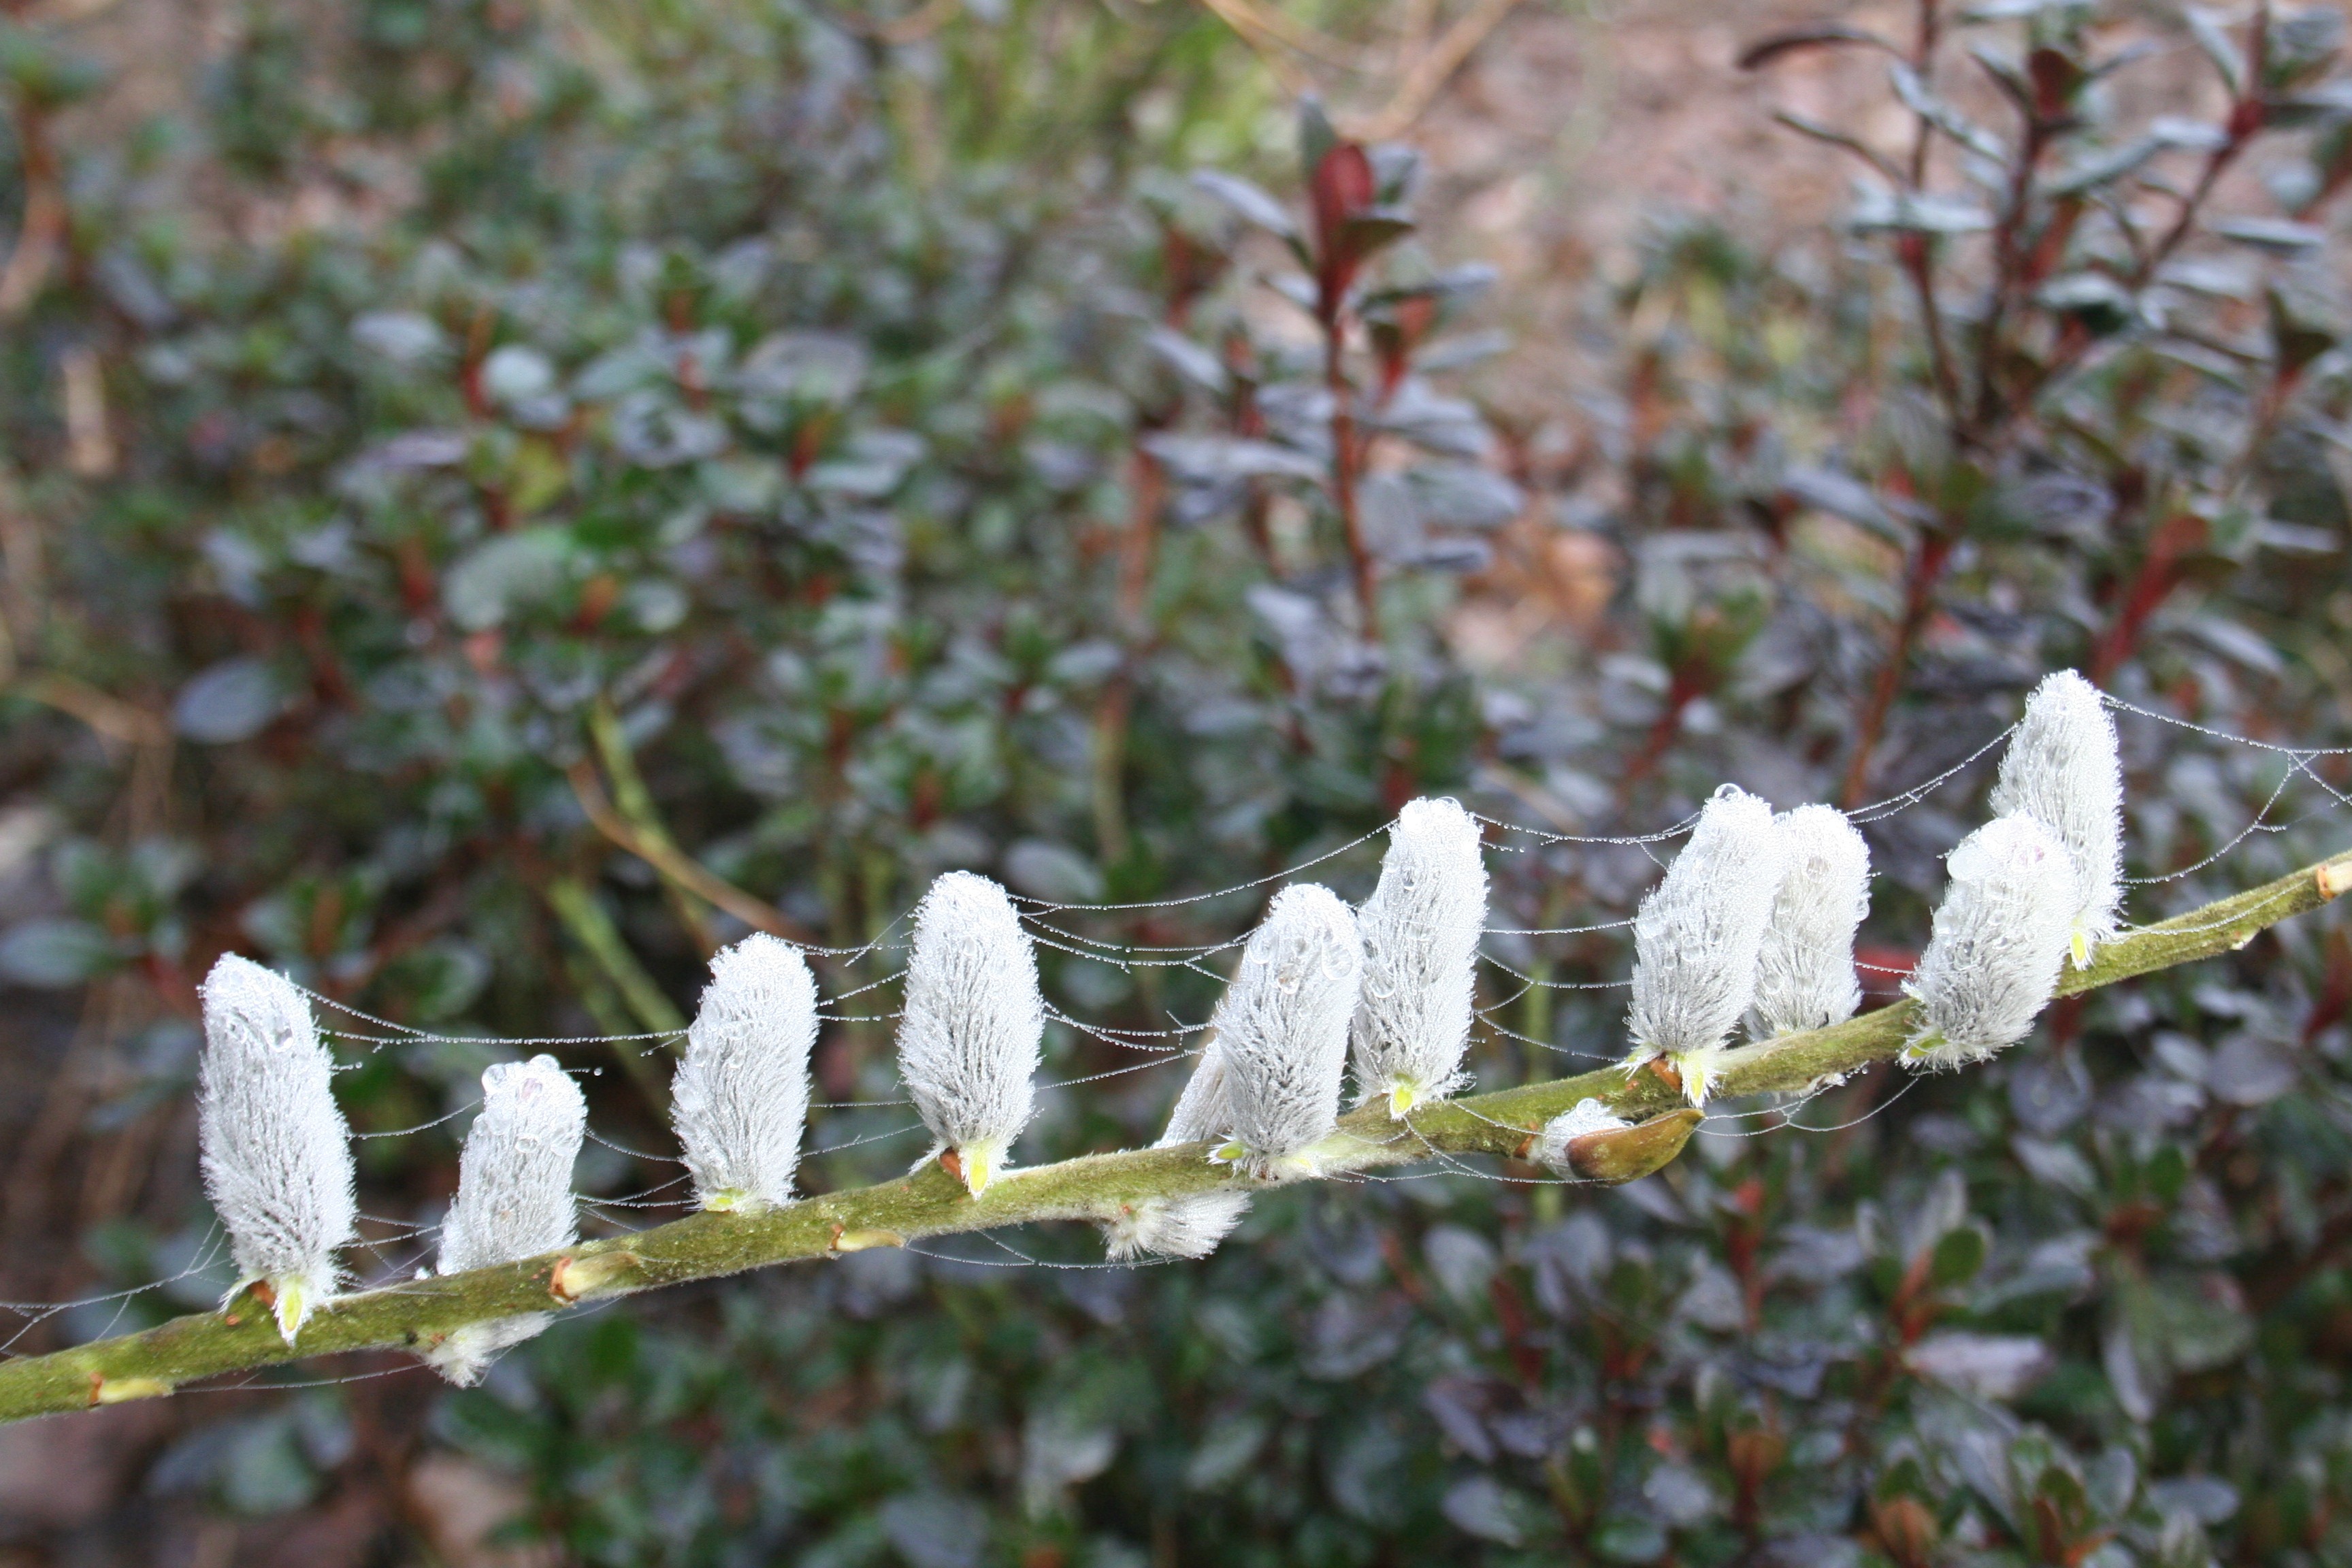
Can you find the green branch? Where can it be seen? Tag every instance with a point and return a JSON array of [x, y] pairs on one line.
[[416, 1314]]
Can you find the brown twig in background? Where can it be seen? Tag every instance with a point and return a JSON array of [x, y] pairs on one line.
[[40, 239], [1257, 24], [1432, 67], [1345, 457], [1927, 561], [1250, 28], [911, 28], [124, 723], [656, 849]]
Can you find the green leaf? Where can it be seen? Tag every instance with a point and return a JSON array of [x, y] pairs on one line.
[[54, 955], [1957, 1256], [2218, 46], [1248, 201], [44, 74], [1316, 137]]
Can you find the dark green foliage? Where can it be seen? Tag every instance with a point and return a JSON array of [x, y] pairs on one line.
[[910, 454]]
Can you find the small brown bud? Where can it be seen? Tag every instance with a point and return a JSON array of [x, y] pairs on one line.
[[1628, 1153], [1906, 1529], [576, 1278]]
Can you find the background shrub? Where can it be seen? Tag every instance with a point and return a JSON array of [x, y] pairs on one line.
[[842, 453]]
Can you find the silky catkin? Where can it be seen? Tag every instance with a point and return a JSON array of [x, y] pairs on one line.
[[1282, 1026], [1189, 1225], [1697, 937], [1804, 971], [1421, 929], [969, 1038], [741, 1097], [277, 1156], [1998, 940], [514, 1197], [2063, 770]]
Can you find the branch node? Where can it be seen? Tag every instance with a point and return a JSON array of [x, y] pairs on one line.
[[105, 1390], [2335, 879], [576, 1278], [863, 1240]]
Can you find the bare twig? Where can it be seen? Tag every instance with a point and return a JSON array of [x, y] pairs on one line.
[[41, 237], [126, 723], [575, 904], [1345, 457], [1928, 559], [1429, 73], [675, 865]]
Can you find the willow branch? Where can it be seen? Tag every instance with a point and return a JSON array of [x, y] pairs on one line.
[[415, 1314]]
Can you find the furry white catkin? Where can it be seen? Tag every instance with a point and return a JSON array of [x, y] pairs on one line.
[[2063, 770], [968, 1039], [1421, 929], [1282, 1028], [1192, 1224], [1697, 937], [514, 1198], [1998, 940], [275, 1153], [741, 1097], [1804, 971]]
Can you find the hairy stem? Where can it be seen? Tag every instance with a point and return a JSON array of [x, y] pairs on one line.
[[415, 1314]]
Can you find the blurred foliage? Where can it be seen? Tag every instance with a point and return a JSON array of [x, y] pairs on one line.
[[836, 458]]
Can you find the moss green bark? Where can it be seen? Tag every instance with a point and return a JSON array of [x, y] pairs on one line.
[[415, 1314]]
